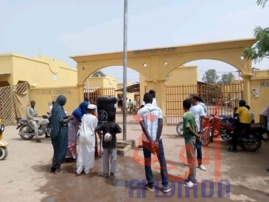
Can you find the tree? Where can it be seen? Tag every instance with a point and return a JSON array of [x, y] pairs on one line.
[[98, 74], [261, 2], [226, 78], [210, 76], [260, 49]]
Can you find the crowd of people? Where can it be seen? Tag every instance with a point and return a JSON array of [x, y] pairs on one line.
[[75, 136], [151, 121]]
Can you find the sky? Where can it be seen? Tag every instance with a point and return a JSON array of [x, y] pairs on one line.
[[64, 28]]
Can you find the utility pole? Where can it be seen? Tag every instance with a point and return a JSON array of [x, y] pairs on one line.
[[125, 66]]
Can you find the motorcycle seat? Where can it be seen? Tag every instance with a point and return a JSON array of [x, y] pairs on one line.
[[23, 121]]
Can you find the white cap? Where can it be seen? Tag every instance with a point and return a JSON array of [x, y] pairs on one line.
[[91, 106]]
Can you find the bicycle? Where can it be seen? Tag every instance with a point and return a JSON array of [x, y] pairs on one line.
[[206, 133], [179, 128]]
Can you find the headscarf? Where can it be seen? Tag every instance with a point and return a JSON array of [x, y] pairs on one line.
[[81, 110], [57, 115]]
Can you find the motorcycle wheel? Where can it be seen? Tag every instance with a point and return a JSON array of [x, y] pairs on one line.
[[211, 135], [253, 146], [179, 128], [265, 136], [24, 129], [3, 153], [226, 137], [206, 136]]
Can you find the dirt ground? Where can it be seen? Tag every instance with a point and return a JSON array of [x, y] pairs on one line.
[[240, 176]]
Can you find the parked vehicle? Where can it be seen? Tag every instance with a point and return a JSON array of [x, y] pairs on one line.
[[212, 128], [3, 143], [207, 134], [179, 128], [210, 125], [27, 133], [249, 139]]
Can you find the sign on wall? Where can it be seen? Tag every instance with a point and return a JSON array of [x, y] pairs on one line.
[[255, 92], [264, 83]]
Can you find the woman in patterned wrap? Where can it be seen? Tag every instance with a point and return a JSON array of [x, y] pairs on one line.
[[73, 128], [59, 133]]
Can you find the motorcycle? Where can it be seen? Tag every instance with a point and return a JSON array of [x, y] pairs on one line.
[[211, 128], [249, 140], [27, 133], [3, 143]]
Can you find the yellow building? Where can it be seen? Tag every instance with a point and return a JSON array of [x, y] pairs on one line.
[[130, 95], [183, 75], [39, 72], [101, 82], [259, 96], [46, 77]]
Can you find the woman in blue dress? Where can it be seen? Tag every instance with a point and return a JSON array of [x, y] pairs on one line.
[[59, 133]]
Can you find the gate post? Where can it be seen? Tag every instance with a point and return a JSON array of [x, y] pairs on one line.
[[159, 87], [80, 92], [161, 97], [246, 90]]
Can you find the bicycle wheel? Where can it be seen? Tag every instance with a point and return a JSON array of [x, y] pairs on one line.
[[179, 128]]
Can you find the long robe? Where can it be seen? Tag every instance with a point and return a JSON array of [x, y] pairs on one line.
[[86, 143], [73, 128], [58, 133]]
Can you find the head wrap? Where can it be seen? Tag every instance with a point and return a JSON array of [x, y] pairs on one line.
[[81, 110]]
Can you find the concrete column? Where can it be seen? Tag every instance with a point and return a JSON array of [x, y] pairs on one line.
[[161, 98], [160, 91], [80, 92], [247, 90]]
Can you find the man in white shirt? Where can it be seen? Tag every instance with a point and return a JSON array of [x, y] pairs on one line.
[[201, 102], [31, 114], [151, 121], [199, 114], [154, 101]]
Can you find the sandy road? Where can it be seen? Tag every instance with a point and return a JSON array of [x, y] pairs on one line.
[[24, 174]]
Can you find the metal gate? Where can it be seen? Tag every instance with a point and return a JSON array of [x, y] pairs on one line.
[[95, 92], [227, 95], [7, 103]]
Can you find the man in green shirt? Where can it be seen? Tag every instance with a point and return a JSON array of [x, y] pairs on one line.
[[190, 136]]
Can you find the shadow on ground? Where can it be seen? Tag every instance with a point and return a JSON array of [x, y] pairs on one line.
[[130, 181], [236, 178]]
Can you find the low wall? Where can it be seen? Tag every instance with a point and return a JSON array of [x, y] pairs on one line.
[[44, 96], [259, 96]]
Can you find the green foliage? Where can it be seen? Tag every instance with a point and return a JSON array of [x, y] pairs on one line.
[[98, 74], [210, 76], [260, 49], [261, 2], [226, 78]]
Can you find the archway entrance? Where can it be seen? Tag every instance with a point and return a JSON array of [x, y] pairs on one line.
[[155, 64]]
